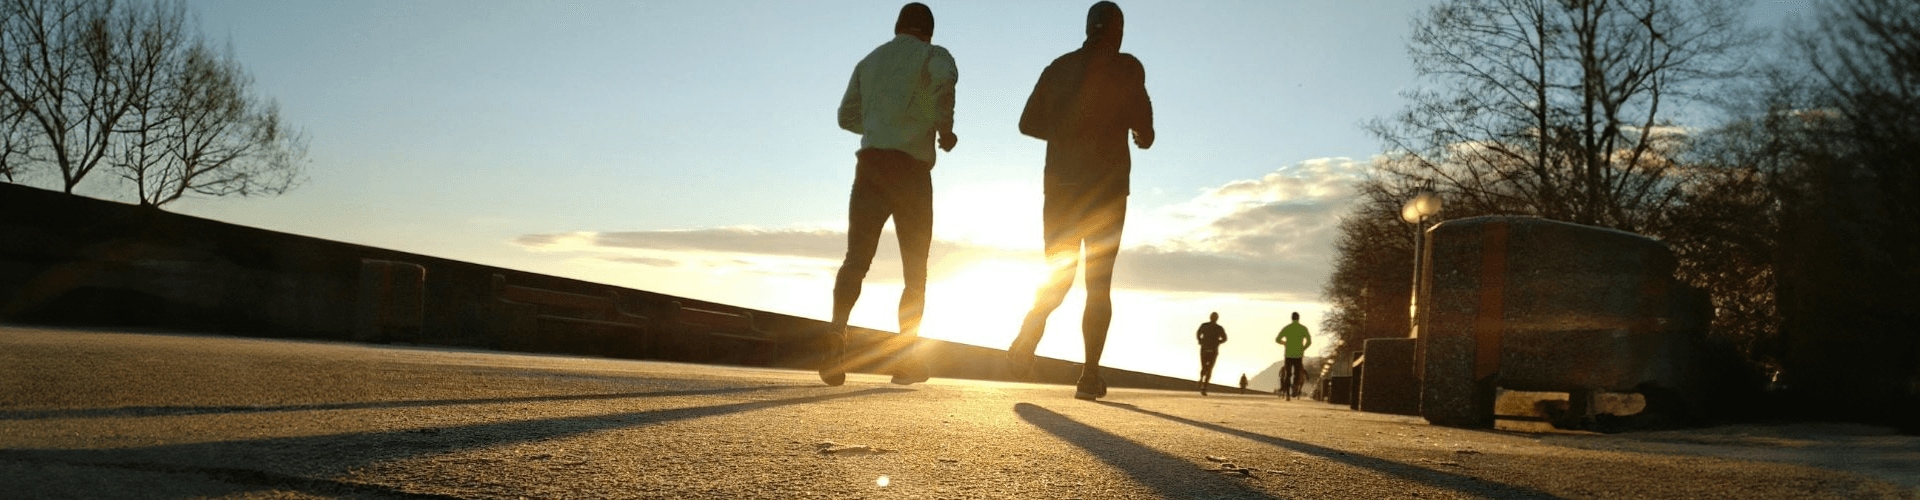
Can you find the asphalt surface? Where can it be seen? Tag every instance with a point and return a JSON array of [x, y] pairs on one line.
[[91, 414]]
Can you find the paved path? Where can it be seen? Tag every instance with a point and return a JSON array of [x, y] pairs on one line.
[[87, 414]]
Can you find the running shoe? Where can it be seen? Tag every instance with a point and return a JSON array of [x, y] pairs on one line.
[[833, 370], [1091, 387]]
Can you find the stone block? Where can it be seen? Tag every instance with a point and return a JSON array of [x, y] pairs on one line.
[[1532, 304], [391, 300], [1390, 384], [1340, 390]]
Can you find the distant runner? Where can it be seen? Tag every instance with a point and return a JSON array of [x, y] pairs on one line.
[[1211, 335]]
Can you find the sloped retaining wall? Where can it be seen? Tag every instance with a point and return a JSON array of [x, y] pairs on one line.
[[78, 261]]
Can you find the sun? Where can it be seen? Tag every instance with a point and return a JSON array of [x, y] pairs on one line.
[[999, 215], [981, 302]]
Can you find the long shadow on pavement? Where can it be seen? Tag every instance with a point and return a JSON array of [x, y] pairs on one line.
[[159, 411], [308, 464], [1167, 475], [1430, 477]]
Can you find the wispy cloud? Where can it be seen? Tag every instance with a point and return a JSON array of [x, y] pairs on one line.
[[798, 243], [792, 251], [1270, 236], [647, 261]]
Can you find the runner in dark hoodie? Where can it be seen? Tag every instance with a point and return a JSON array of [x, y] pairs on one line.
[[1084, 106]]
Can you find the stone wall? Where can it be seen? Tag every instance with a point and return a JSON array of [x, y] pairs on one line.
[[79, 261]]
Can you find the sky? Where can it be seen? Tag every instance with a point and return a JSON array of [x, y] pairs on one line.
[[691, 148]]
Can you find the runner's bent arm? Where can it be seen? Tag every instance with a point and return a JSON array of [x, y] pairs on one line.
[[1037, 119], [851, 118], [944, 74], [1140, 105]]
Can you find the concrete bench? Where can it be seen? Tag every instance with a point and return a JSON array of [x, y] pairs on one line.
[[714, 336], [541, 320], [1528, 304]]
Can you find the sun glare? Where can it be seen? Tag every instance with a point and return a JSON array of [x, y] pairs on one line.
[[982, 302], [1003, 215]]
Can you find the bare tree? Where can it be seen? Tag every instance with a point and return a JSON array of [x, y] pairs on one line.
[[200, 130], [15, 139], [1725, 233], [1866, 57], [133, 86], [1848, 268], [1372, 269], [58, 69], [1560, 108]]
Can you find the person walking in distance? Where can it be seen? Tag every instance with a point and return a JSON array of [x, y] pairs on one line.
[[900, 101], [1210, 335], [1243, 383], [1085, 105], [1295, 338]]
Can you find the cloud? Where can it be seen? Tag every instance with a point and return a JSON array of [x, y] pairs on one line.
[[547, 241], [1198, 272], [648, 261], [796, 243], [1271, 236], [781, 252]]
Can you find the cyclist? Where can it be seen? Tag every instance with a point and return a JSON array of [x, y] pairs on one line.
[[1296, 339]]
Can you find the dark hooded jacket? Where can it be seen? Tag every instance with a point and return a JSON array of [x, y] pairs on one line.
[[1083, 106]]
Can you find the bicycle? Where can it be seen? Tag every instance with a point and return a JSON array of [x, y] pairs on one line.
[[1291, 378]]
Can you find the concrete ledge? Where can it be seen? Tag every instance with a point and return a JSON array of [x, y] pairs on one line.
[[70, 260]]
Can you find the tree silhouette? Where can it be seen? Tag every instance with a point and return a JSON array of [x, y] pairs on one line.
[[1849, 258], [1559, 108], [133, 87]]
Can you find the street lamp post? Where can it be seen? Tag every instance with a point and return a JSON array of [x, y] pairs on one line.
[[1424, 204]]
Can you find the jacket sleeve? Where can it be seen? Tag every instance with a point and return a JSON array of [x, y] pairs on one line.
[[945, 74], [1037, 120], [1139, 115], [851, 117]]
